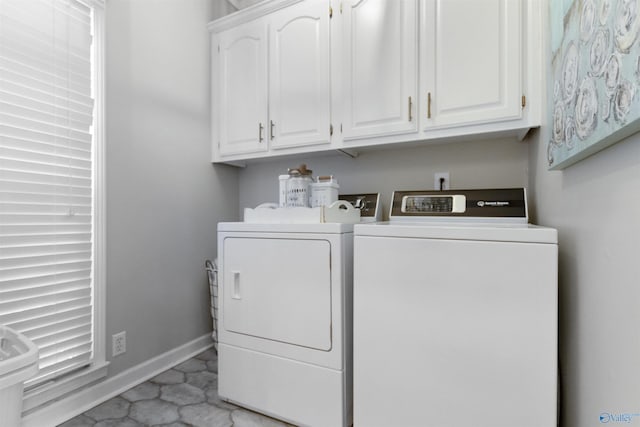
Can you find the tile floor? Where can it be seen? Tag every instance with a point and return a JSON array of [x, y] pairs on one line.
[[186, 395]]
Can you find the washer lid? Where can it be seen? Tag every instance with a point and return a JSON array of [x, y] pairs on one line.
[[495, 232]]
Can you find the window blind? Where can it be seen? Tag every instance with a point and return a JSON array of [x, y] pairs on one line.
[[46, 191]]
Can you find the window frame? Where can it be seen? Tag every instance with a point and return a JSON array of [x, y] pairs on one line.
[[40, 395]]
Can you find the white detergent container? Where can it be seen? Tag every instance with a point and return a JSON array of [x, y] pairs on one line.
[[282, 190], [324, 191], [18, 363]]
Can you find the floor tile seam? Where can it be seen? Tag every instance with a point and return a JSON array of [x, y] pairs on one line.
[[159, 397]]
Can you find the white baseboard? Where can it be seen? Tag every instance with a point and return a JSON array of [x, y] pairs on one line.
[[85, 399]]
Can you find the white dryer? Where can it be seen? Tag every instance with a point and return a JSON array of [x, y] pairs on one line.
[[285, 323], [455, 314]]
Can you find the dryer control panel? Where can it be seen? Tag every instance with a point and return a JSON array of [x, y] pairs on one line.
[[368, 204]]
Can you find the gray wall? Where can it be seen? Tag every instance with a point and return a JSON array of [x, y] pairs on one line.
[[164, 198], [475, 164], [595, 205]]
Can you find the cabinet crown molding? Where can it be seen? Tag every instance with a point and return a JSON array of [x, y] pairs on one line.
[[248, 14]]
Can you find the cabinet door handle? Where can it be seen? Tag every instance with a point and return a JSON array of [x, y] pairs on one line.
[[271, 130], [429, 105], [260, 132], [410, 108]]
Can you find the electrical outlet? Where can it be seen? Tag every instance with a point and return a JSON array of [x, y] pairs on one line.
[[118, 343], [436, 181]]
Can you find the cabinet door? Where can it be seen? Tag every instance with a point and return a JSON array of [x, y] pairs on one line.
[[471, 64], [379, 64], [299, 87], [242, 88]]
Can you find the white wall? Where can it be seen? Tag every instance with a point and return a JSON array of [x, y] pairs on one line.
[[164, 198], [595, 205], [475, 164]]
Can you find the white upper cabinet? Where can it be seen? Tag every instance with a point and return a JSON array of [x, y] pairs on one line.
[[299, 87], [240, 107], [379, 67], [471, 70], [297, 76]]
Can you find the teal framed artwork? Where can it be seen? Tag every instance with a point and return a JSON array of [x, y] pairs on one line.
[[594, 98]]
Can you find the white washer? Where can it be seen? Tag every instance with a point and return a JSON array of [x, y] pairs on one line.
[[285, 324], [455, 319]]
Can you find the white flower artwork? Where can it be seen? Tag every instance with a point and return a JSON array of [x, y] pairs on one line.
[[586, 111], [595, 66], [598, 52]]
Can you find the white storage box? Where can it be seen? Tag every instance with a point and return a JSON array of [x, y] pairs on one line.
[[18, 363], [324, 192]]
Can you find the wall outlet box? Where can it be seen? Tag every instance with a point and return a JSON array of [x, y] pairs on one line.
[[118, 343]]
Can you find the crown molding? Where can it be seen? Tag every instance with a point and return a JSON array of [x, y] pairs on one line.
[[248, 14]]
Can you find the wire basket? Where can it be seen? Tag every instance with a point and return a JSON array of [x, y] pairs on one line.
[[212, 275]]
